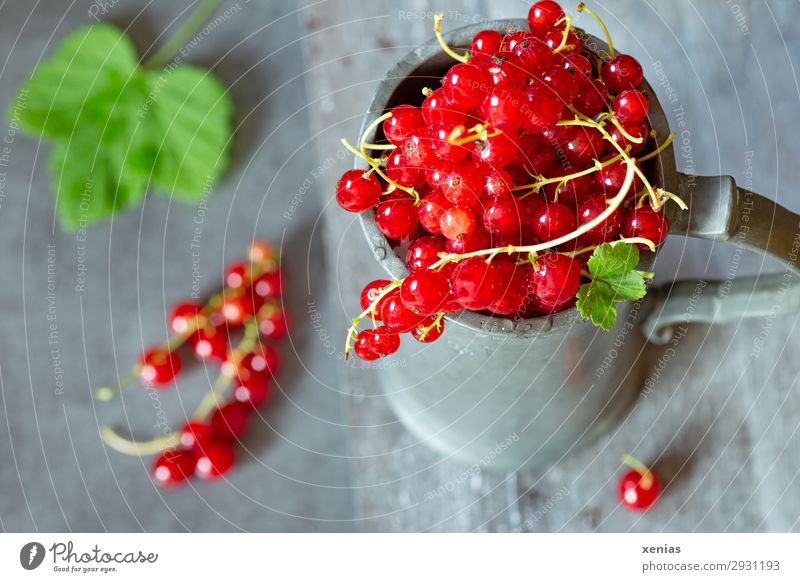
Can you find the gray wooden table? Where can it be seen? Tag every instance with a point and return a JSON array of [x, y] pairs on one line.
[[720, 426]]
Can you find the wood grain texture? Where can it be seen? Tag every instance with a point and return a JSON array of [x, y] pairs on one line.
[[720, 423]]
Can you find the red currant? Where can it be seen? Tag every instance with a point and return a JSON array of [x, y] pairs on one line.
[[505, 108], [273, 323], [185, 317], [397, 317], [630, 106], [555, 280], [216, 458], [357, 192], [622, 72], [230, 420], [158, 367], [438, 109], [457, 222], [194, 433], [543, 16], [486, 42], [638, 490], [476, 284], [254, 391], [397, 219], [553, 221], [425, 292], [502, 215], [428, 331], [370, 292], [590, 208], [430, 211], [424, 252], [405, 119], [646, 223], [399, 170], [372, 344], [465, 84], [174, 467], [515, 281]]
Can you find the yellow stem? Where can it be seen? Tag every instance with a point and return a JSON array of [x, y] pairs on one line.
[[634, 463], [567, 27], [437, 28], [660, 148], [582, 8]]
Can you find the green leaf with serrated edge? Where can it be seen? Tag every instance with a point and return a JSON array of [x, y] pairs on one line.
[[118, 127], [614, 278], [89, 63], [192, 112]]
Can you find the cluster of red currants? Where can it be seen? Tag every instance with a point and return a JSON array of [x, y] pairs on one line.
[[248, 308], [505, 179]]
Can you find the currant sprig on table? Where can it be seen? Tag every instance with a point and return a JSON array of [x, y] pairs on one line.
[[232, 328], [516, 186]]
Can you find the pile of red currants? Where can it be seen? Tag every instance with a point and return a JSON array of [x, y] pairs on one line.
[[249, 309], [505, 180]]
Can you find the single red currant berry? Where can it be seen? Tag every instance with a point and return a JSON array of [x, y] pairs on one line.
[[475, 241], [555, 280], [425, 292], [514, 283], [185, 317], [405, 119], [612, 177], [402, 172], [622, 72], [430, 211], [503, 216], [591, 99], [498, 182], [357, 192], [210, 343], [194, 433], [429, 330], [236, 275], [496, 151], [638, 488], [230, 420], [272, 323], [264, 361], [646, 223], [537, 156], [174, 467], [419, 150], [397, 317], [513, 38], [545, 108], [216, 459], [505, 108], [580, 66], [475, 283], [463, 185], [630, 106], [446, 149], [236, 307], [543, 16], [254, 391], [158, 367], [486, 42], [534, 55], [590, 208], [397, 219], [553, 221], [438, 109], [466, 85], [456, 222], [424, 252], [268, 286], [583, 145]]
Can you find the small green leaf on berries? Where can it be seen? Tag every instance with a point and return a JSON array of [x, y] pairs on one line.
[[614, 278]]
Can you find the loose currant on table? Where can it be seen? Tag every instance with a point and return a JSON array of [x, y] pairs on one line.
[[204, 446], [639, 487], [509, 186]]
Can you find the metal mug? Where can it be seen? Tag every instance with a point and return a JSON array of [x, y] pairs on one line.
[[523, 394]]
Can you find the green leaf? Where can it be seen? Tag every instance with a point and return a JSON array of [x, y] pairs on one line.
[[614, 278], [191, 110], [118, 127], [91, 63]]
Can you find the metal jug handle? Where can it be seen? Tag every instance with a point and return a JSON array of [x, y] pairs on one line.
[[721, 211]]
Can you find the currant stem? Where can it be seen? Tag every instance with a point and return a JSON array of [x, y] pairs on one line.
[[632, 240], [646, 481], [352, 331], [106, 393], [165, 54], [536, 186], [138, 448], [582, 8], [437, 29], [563, 44], [436, 324], [380, 146], [657, 151]]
